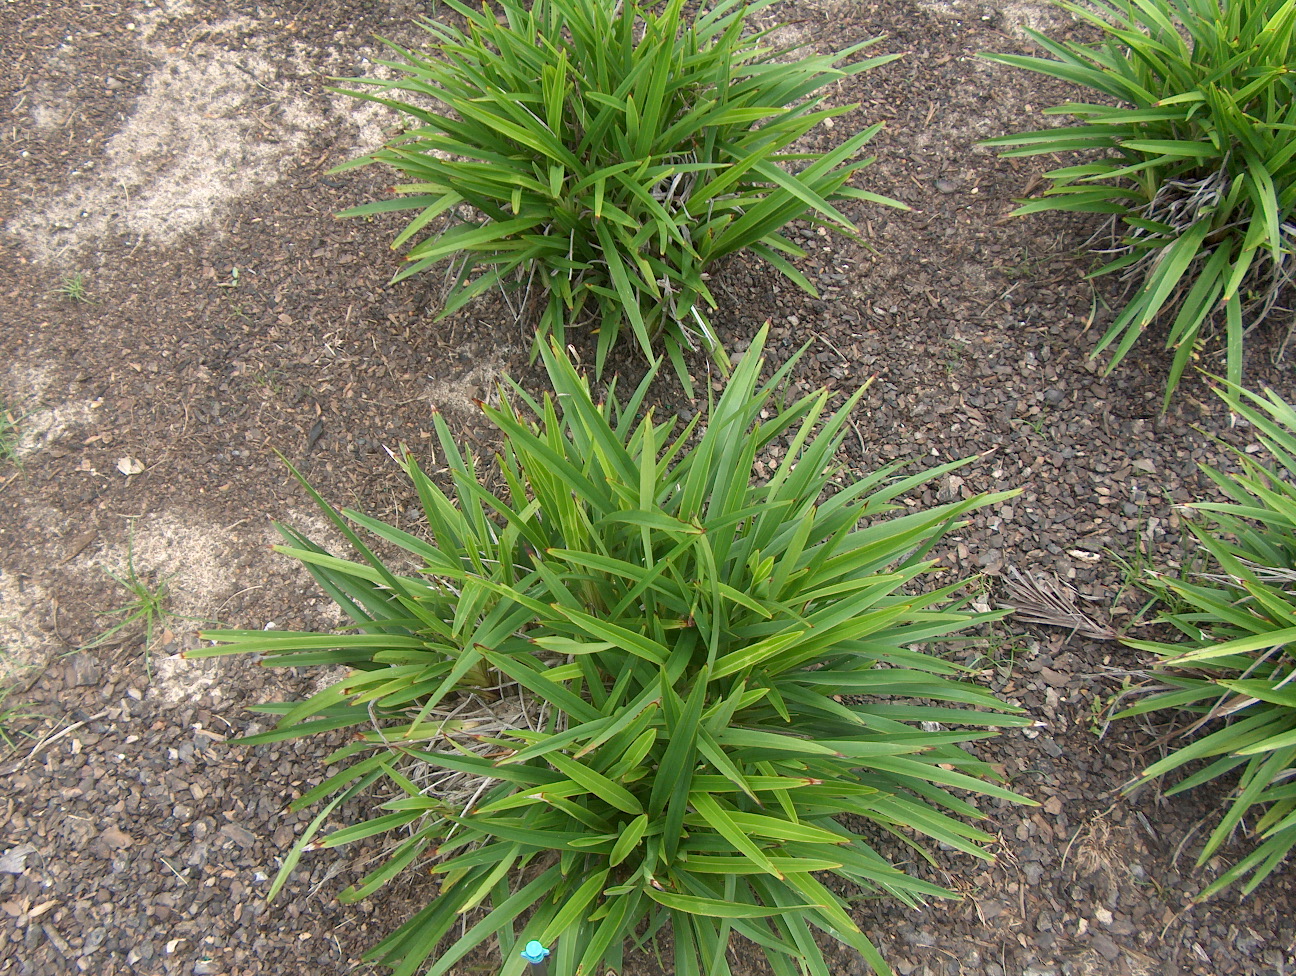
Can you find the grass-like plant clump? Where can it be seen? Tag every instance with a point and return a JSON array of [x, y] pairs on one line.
[[73, 288], [1195, 146], [636, 686], [145, 614], [10, 436], [602, 155], [12, 714], [1236, 671]]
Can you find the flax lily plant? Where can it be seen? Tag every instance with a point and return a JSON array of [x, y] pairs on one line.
[[637, 686], [602, 155], [1192, 150], [1235, 669]]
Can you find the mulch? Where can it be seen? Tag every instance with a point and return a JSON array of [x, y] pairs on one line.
[[138, 837]]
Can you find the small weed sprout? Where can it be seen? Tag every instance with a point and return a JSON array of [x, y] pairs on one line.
[[146, 612], [73, 289], [9, 435], [1035, 423], [10, 713], [996, 652], [9, 717], [1100, 714]]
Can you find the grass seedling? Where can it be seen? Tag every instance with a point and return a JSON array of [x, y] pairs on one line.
[[1034, 423], [1135, 576], [268, 380], [9, 435], [148, 609], [73, 288], [11, 714], [1139, 575], [996, 653], [1026, 267]]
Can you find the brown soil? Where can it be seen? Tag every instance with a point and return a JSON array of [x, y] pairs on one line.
[[175, 155]]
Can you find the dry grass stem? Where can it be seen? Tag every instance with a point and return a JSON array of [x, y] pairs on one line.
[[1039, 598]]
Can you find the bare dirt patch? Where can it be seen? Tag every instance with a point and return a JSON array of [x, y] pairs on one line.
[[197, 139], [1011, 18], [21, 640]]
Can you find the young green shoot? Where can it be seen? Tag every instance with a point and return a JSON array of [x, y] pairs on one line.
[[73, 289]]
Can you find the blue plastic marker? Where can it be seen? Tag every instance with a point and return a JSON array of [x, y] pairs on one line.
[[538, 956]]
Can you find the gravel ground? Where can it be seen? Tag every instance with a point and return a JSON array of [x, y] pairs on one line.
[[175, 156]]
